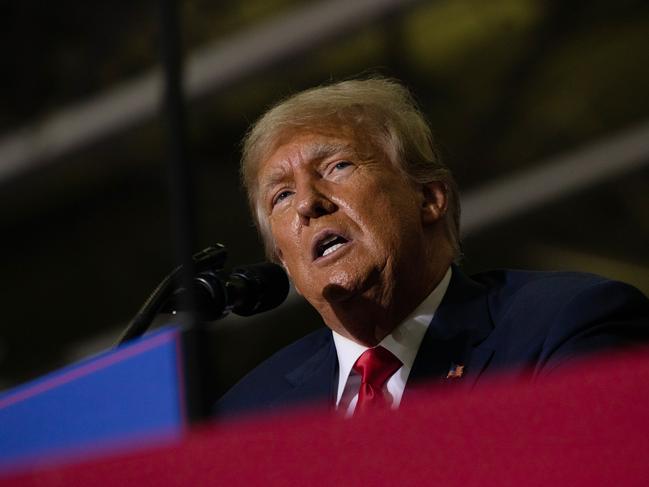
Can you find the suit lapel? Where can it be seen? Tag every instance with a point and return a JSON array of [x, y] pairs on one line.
[[454, 337], [314, 380]]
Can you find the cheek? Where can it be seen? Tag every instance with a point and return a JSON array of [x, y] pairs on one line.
[[284, 235], [389, 220]]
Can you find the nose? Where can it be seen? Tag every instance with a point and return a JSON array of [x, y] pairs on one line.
[[310, 202]]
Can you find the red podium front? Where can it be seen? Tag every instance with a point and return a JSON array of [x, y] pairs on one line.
[[589, 426]]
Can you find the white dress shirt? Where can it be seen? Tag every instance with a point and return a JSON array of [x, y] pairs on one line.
[[403, 342]]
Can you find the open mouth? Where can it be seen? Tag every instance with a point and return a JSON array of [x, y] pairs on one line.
[[329, 244]]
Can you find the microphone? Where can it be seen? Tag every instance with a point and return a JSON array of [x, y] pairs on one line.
[[246, 291]]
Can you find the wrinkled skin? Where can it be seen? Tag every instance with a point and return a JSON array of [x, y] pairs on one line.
[[395, 249]]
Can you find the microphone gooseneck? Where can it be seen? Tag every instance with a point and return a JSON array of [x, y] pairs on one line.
[[245, 291]]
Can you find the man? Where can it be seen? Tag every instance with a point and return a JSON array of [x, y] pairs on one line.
[[351, 197]]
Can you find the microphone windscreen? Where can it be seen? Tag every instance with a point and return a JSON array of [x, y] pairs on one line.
[[266, 287]]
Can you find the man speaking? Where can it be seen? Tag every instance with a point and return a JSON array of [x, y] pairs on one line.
[[350, 196]]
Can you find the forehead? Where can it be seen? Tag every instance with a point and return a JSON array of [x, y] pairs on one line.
[[303, 149]]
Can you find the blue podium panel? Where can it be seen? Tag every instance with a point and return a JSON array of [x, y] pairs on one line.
[[124, 395]]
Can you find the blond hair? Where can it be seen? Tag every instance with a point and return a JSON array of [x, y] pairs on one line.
[[377, 111]]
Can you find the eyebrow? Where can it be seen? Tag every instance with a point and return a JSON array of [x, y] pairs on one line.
[[316, 153], [272, 179], [324, 150]]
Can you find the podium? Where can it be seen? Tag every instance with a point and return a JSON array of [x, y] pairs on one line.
[[587, 426], [135, 394]]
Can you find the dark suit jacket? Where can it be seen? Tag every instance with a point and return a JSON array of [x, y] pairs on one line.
[[527, 323]]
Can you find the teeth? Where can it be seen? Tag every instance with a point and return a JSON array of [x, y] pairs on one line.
[[331, 249], [330, 239]]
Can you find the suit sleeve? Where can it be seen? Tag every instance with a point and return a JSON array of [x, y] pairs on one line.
[[605, 316]]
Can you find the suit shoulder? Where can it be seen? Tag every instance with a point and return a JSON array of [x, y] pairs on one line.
[[296, 353], [265, 383], [511, 290], [515, 279], [547, 318]]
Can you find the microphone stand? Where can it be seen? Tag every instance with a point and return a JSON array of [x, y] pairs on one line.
[[195, 339], [196, 344], [245, 290], [208, 259]]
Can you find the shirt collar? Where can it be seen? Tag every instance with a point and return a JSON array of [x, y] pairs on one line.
[[403, 342]]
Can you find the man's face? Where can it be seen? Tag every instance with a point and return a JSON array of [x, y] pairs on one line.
[[347, 227]]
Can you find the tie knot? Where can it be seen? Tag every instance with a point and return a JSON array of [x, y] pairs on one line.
[[376, 366]]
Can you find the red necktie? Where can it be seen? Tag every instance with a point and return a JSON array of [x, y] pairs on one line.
[[375, 366]]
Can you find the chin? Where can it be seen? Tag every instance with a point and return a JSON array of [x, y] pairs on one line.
[[337, 287], [334, 293], [344, 285]]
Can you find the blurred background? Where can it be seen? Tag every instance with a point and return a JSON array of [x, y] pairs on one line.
[[540, 106]]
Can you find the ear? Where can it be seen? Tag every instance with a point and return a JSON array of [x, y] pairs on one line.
[[434, 202]]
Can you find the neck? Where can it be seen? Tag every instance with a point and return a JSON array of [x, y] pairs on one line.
[[368, 320]]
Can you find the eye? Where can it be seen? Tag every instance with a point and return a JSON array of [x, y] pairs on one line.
[[282, 195], [341, 165], [337, 167]]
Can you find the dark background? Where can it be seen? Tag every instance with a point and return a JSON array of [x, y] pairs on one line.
[[506, 84]]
